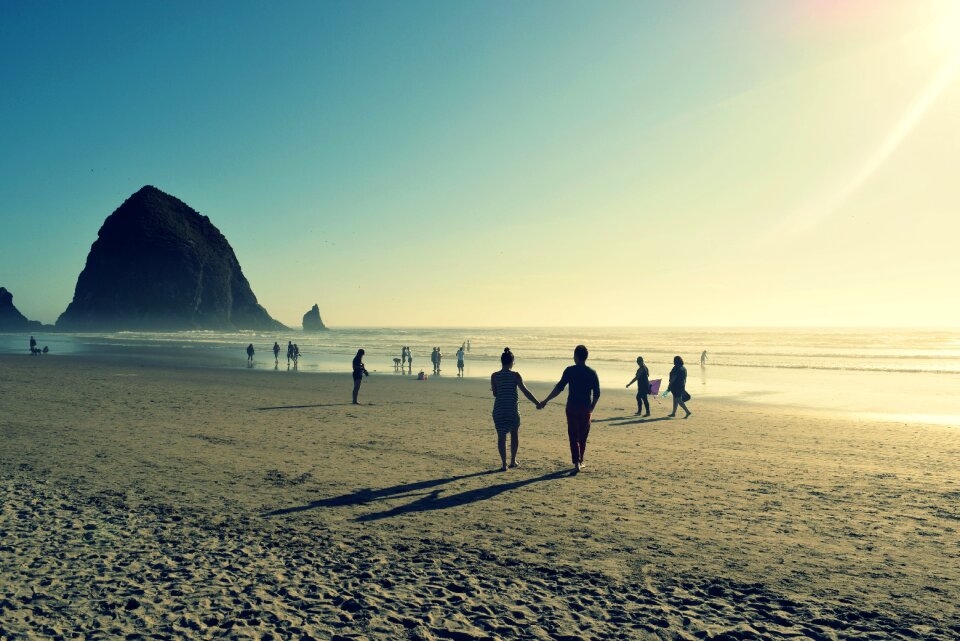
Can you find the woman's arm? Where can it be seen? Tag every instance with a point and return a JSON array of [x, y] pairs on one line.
[[493, 385], [631, 381], [526, 392]]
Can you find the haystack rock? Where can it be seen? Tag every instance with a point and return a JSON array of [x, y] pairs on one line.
[[11, 320], [312, 321], [158, 265]]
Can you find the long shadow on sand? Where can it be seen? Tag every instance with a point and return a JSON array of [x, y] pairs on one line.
[[433, 500], [641, 421], [299, 407], [361, 497]]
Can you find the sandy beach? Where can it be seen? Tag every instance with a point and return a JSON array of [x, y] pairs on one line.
[[157, 502]]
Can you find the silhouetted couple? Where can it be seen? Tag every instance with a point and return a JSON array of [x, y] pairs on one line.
[[582, 397]]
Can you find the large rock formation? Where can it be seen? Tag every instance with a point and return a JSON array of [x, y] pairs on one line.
[[312, 321], [159, 265], [11, 320]]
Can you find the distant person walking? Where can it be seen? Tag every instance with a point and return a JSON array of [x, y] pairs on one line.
[[434, 360], [289, 353], [403, 358], [460, 361], [643, 386], [410, 360], [359, 371], [33, 345], [276, 353], [703, 358], [506, 413], [296, 354], [583, 382], [678, 386], [439, 358], [250, 354]]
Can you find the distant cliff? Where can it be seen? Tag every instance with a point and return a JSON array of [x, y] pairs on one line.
[[312, 321], [11, 320], [159, 265]]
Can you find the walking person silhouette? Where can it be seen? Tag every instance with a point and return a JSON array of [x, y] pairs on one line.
[[643, 386], [583, 382]]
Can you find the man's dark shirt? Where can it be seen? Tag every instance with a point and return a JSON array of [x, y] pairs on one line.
[[582, 381]]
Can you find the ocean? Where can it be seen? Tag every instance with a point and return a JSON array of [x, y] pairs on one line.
[[908, 375]]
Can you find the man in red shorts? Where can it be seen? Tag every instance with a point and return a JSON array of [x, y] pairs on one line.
[[583, 383]]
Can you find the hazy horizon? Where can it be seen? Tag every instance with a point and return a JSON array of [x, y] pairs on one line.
[[749, 164]]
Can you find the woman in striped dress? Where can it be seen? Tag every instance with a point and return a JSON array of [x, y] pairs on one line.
[[506, 414]]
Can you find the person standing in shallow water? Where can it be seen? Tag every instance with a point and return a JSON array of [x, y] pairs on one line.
[[643, 386], [583, 382], [250, 354], [678, 387], [359, 371], [276, 353], [506, 413], [460, 361]]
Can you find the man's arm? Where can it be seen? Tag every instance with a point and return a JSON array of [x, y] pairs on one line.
[[596, 392], [556, 390]]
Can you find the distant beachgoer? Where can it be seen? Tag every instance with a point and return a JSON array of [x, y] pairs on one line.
[[468, 344], [276, 353], [422, 376], [678, 386], [403, 357], [250, 354], [460, 361], [439, 357], [643, 386], [33, 345], [410, 360], [506, 413], [359, 371], [433, 359], [46, 349], [296, 354], [583, 382], [289, 353], [703, 358]]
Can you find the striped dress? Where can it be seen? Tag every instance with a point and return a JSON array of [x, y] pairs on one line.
[[506, 414]]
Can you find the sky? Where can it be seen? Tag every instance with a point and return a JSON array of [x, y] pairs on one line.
[[681, 163]]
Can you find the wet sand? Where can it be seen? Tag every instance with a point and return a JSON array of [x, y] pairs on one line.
[[156, 502]]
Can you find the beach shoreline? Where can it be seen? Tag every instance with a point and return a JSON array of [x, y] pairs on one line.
[[226, 501]]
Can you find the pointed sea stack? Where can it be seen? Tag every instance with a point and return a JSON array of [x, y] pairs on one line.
[[158, 265], [11, 320], [312, 321]]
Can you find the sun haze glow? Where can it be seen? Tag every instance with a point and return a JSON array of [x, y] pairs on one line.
[[737, 163]]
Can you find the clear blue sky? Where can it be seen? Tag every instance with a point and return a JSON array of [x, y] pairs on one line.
[[444, 163]]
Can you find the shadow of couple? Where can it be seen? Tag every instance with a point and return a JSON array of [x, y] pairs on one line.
[[432, 500]]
